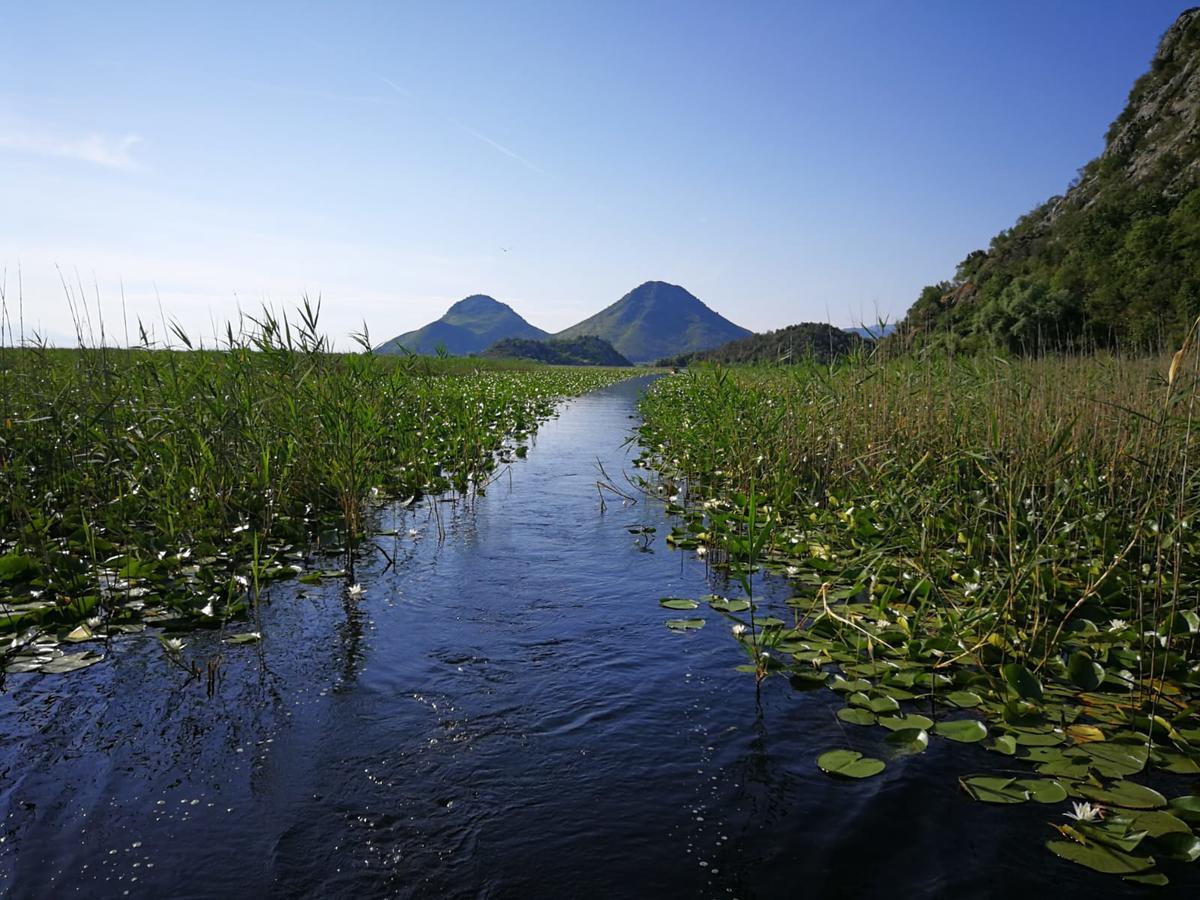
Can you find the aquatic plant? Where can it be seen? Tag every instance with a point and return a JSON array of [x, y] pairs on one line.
[[170, 485], [989, 551]]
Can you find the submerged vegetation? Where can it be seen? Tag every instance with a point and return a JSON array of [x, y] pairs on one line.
[[159, 486], [984, 550]]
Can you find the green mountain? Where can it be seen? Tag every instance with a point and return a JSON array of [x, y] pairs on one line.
[[588, 350], [469, 326], [808, 340], [1113, 262], [656, 320]]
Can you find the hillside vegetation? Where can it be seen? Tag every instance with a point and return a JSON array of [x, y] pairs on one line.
[[1115, 262], [588, 350], [793, 344]]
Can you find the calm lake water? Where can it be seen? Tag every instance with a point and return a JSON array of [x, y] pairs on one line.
[[501, 715]]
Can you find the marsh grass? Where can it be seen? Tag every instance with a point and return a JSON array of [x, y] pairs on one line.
[[188, 478]]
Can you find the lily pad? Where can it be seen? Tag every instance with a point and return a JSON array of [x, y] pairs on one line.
[[722, 605], [965, 731], [964, 699], [856, 716], [677, 603], [909, 740], [247, 637], [898, 723], [1156, 822], [1187, 808], [72, 662], [991, 789], [1043, 790], [1024, 682], [1125, 793], [849, 764], [1101, 857], [1115, 760]]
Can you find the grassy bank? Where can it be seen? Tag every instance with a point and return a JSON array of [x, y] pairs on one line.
[[149, 482], [1006, 545]]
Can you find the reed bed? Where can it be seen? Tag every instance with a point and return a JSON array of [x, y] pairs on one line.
[[986, 550], [182, 479]]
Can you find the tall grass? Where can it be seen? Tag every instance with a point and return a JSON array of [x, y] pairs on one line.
[[1003, 497], [185, 468]]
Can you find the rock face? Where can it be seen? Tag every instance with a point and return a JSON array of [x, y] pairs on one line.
[[470, 326], [656, 320], [1114, 261]]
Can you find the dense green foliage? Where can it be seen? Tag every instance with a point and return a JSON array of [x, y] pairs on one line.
[[470, 326], [587, 350], [194, 475], [978, 551], [656, 320], [1113, 263], [793, 344]]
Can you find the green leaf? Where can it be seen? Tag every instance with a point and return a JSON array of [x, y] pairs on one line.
[[1084, 671], [856, 716], [964, 699], [909, 740], [722, 605], [1043, 790], [1101, 857], [1156, 823], [1115, 760], [1005, 744], [1024, 682], [991, 789], [1187, 808], [14, 567], [1178, 846], [849, 764], [1125, 793], [684, 624], [898, 723], [677, 603], [246, 637], [965, 731]]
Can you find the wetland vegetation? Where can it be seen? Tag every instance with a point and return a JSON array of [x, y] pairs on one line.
[[167, 486], [985, 549]]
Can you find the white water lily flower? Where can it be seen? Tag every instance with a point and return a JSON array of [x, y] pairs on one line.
[[207, 610], [355, 590], [702, 551], [738, 630], [1085, 812], [1117, 625], [173, 645]]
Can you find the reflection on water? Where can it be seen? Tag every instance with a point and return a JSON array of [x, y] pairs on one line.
[[500, 714]]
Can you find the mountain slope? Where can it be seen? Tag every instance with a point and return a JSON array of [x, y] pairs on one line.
[[470, 326], [808, 340], [1115, 261], [657, 319], [588, 350]]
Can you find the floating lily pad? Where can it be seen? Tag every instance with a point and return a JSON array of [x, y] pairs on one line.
[[841, 685], [897, 723], [1005, 744], [1187, 808], [1084, 671], [1125, 793], [1043, 790], [247, 637], [1115, 760], [722, 605], [964, 699], [992, 789], [909, 740], [677, 603], [1178, 846], [856, 716], [1101, 857], [849, 764], [965, 731], [1156, 822], [72, 662]]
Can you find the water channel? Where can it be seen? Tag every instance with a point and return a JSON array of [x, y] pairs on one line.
[[500, 714]]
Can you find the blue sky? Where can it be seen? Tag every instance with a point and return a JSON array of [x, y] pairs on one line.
[[783, 161]]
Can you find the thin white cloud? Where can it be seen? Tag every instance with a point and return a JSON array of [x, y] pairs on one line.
[[98, 149], [495, 145]]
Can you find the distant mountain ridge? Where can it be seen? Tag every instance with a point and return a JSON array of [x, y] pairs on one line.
[[793, 344], [469, 326], [588, 350], [653, 320], [657, 319]]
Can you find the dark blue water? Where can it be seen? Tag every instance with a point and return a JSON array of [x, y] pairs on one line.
[[502, 714]]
